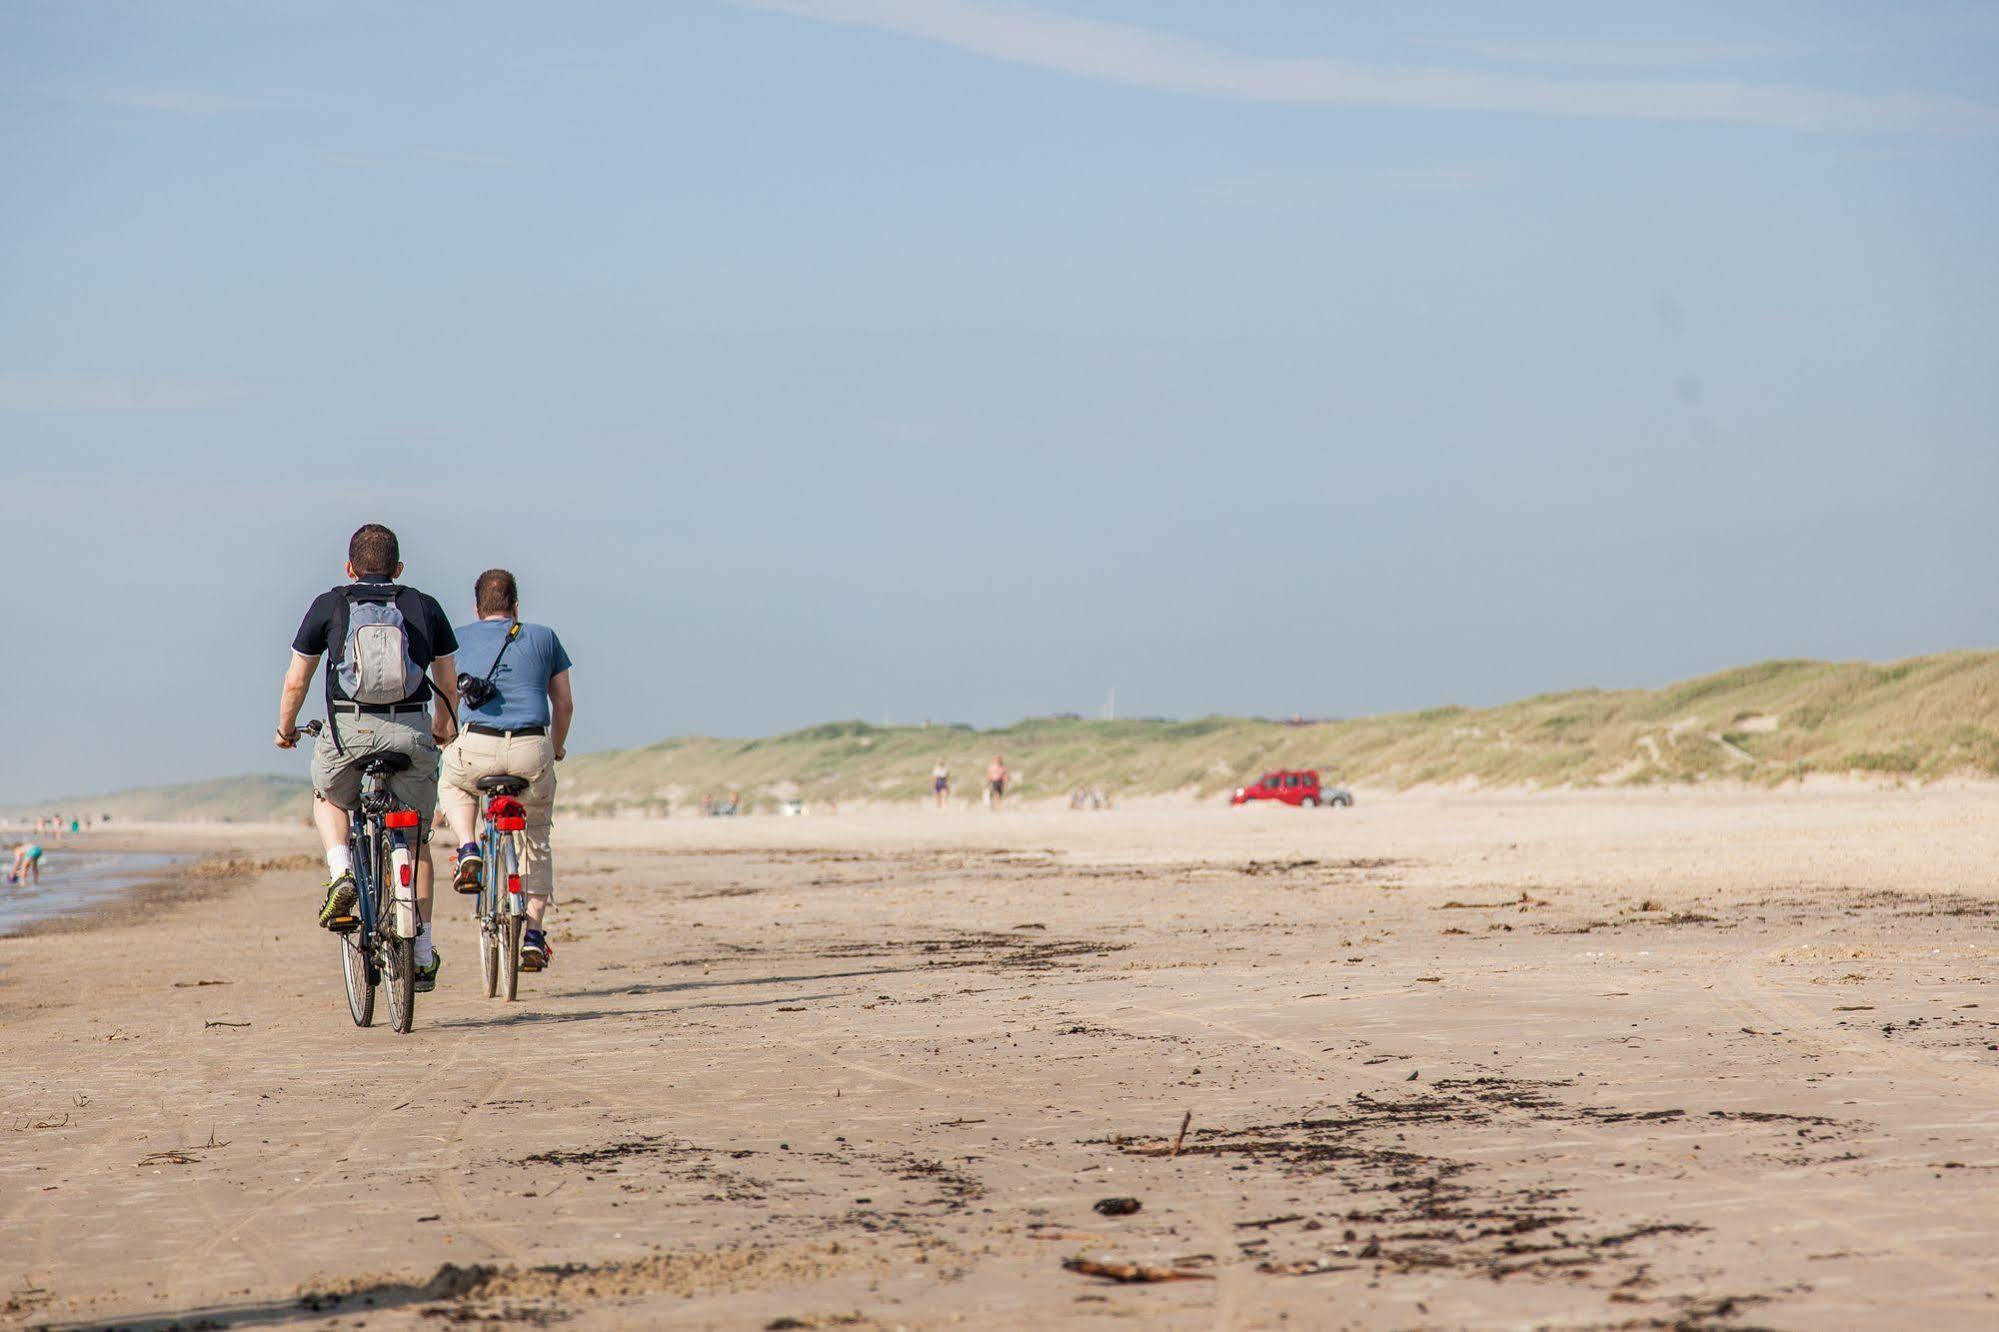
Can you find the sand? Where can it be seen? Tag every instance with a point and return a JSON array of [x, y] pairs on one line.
[[1683, 1059]]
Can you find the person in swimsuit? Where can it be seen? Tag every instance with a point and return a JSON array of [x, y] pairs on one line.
[[996, 780], [940, 783], [28, 863]]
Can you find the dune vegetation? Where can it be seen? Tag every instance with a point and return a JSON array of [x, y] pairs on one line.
[[1779, 721], [1775, 722]]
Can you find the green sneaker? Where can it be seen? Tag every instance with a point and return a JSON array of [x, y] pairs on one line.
[[337, 913], [426, 976]]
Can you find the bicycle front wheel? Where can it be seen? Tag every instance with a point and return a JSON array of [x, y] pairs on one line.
[[354, 969]]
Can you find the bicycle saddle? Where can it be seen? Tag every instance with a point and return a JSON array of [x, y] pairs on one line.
[[503, 785], [385, 763]]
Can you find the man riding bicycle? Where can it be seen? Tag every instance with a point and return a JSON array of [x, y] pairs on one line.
[[379, 639], [516, 723]]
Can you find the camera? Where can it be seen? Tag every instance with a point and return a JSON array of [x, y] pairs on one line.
[[476, 690]]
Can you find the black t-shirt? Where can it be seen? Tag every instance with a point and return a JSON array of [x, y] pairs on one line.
[[429, 632]]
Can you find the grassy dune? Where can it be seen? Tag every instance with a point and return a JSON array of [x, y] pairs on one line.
[[255, 798], [1920, 719], [1925, 718]]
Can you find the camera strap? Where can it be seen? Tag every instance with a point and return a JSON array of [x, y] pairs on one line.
[[513, 632]]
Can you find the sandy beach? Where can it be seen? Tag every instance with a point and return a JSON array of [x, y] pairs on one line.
[[1677, 1059]]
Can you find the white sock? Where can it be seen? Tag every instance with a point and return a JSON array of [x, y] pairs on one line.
[[339, 861], [423, 952]]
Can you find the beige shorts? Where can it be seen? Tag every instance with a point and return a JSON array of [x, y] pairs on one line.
[[336, 776], [472, 756]]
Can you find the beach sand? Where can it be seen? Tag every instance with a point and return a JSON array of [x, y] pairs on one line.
[[1699, 1059]]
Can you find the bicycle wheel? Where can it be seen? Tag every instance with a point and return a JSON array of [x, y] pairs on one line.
[[510, 955], [354, 969], [489, 957], [399, 977]]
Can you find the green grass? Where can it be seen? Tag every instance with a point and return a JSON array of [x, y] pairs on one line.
[[1924, 718], [1921, 719]]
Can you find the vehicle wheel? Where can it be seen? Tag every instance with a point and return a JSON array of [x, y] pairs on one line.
[[1310, 802], [489, 959], [399, 977], [510, 955], [1344, 802], [354, 968]]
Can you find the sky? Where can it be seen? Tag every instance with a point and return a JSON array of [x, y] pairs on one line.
[[962, 361]]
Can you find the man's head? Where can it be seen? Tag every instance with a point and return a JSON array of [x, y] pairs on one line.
[[496, 593], [372, 550]]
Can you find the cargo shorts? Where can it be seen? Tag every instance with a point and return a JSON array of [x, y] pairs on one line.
[[532, 757], [336, 776]]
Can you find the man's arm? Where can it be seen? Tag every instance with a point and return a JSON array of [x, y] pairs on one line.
[[444, 698], [298, 679], [561, 707]]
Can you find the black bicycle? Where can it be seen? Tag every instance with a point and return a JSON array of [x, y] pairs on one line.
[[381, 950]]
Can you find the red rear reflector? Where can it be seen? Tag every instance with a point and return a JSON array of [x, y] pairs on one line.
[[404, 873], [400, 818], [513, 883], [511, 825]]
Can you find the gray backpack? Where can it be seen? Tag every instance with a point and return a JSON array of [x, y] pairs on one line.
[[375, 664]]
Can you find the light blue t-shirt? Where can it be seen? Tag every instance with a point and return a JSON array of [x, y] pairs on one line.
[[535, 658]]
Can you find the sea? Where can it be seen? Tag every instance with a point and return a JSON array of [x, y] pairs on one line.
[[73, 881]]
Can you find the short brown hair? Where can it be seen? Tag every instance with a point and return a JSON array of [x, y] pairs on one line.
[[373, 550], [496, 593]]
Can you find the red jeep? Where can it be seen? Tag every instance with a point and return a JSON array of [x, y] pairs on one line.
[[1293, 786]]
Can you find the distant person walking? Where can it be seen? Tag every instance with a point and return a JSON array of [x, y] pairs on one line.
[[996, 781], [940, 783]]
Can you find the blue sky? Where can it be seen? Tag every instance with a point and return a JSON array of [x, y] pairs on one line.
[[932, 358]]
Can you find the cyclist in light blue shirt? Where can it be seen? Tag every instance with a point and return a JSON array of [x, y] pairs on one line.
[[519, 728]]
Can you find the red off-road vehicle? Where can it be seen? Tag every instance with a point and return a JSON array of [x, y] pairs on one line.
[[1292, 786]]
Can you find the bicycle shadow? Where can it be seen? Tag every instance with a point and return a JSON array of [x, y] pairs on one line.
[[530, 1017], [380, 1298], [675, 987]]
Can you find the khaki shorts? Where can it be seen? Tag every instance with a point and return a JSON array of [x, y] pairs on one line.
[[336, 776], [472, 756]]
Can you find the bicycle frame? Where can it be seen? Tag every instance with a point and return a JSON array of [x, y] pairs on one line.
[[380, 831], [500, 848]]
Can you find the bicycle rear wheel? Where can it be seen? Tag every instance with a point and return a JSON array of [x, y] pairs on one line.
[[510, 954], [489, 957], [354, 969], [399, 977]]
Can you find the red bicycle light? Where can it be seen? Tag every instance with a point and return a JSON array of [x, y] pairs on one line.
[[400, 818], [404, 873], [513, 883], [512, 824]]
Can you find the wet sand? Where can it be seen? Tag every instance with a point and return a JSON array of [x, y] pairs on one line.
[[1685, 1059]]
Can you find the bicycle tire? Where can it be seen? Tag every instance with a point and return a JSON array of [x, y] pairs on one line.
[[510, 956], [354, 970], [399, 978], [489, 959]]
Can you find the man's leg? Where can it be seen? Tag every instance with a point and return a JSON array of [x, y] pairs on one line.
[[458, 800], [336, 786], [538, 801], [416, 788], [332, 823], [423, 878]]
